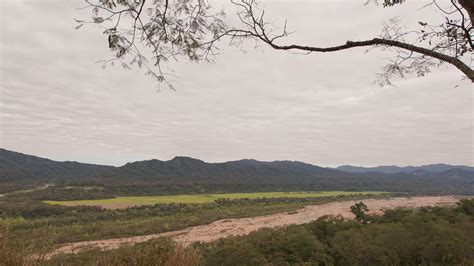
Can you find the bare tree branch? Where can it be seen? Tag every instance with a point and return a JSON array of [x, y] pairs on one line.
[[256, 28], [173, 29]]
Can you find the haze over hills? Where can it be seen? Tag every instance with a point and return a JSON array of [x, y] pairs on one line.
[[20, 170], [391, 169]]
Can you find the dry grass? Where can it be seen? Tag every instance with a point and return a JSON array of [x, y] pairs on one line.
[[160, 251], [14, 252]]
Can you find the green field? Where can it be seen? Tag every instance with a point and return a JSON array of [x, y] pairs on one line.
[[206, 198]]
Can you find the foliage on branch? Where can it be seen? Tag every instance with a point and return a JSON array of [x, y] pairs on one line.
[[360, 211], [190, 29], [167, 29]]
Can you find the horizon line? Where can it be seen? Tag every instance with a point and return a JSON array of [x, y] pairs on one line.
[[236, 160]]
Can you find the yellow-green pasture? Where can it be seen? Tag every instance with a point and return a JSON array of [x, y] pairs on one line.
[[203, 198]]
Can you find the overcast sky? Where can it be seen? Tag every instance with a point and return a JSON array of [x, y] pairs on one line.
[[57, 102]]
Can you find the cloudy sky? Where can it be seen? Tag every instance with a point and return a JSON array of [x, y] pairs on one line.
[[57, 102]]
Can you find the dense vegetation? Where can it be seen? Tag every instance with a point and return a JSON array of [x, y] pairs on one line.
[[183, 175], [431, 236], [428, 236], [31, 221]]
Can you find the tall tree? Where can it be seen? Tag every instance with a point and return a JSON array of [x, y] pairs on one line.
[[360, 211]]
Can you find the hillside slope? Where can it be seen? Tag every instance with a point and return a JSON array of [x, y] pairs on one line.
[[184, 174], [287, 175], [18, 170]]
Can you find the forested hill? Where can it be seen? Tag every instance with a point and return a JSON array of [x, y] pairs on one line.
[[185, 169], [17, 168], [288, 174]]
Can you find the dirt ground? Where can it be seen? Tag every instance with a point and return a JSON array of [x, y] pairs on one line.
[[242, 226]]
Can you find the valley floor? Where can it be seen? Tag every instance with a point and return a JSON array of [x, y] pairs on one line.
[[242, 226]]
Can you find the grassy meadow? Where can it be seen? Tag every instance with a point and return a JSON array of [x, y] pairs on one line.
[[202, 198]]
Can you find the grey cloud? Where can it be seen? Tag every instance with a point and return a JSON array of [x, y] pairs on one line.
[[55, 101]]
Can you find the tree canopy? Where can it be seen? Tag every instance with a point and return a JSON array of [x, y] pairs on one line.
[[148, 33]]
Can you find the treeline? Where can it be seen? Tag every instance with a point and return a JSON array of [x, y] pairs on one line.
[[303, 200], [428, 236], [76, 191], [133, 186], [61, 193]]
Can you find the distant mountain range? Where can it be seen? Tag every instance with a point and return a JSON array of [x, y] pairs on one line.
[[20, 170], [391, 169]]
